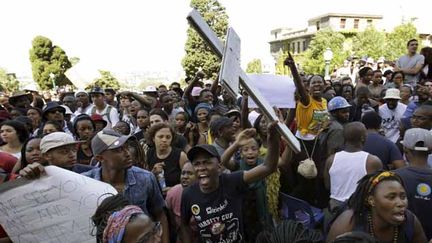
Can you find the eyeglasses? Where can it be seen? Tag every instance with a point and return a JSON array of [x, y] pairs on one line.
[[157, 230]]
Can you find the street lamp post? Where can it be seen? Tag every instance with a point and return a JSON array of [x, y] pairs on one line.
[[328, 56], [52, 76]]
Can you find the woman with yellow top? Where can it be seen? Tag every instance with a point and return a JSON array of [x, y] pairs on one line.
[[311, 118]]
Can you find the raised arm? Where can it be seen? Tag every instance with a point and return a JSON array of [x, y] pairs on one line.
[[271, 161], [241, 140], [214, 86], [188, 91], [244, 112], [304, 97]]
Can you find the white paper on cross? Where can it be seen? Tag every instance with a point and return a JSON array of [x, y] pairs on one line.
[[232, 75]]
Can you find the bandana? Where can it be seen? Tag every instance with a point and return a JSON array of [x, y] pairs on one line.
[[116, 225]]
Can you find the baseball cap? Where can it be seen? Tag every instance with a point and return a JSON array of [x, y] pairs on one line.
[[150, 89], [55, 140], [414, 136], [220, 123], [107, 139], [97, 90], [67, 110], [196, 91], [206, 148]]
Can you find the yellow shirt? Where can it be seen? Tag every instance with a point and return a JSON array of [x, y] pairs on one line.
[[313, 118]]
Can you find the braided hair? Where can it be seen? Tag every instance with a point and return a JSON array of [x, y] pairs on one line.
[[290, 231], [104, 210], [366, 186]]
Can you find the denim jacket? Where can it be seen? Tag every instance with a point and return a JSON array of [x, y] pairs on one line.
[[141, 188]]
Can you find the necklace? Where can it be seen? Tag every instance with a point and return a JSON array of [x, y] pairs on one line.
[[372, 232]]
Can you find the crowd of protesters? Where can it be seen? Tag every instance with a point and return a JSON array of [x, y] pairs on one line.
[[197, 165]]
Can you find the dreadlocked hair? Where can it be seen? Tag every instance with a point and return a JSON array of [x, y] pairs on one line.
[[290, 231], [104, 210], [358, 201]]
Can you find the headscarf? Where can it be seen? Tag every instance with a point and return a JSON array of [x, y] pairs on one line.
[[116, 225], [206, 106]]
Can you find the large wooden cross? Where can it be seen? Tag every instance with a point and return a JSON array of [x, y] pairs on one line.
[[232, 75]]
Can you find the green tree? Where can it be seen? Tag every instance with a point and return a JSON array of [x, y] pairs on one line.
[[8, 82], [47, 58], [398, 38], [106, 80], [254, 66], [198, 53], [325, 38], [370, 42]]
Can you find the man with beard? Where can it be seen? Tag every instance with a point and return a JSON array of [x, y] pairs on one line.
[[215, 200], [139, 186], [391, 113]]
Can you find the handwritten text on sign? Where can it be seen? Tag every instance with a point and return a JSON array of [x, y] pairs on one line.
[[54, 208]]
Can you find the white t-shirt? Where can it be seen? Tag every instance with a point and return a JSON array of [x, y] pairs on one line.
[[391, 120], [113, 115]]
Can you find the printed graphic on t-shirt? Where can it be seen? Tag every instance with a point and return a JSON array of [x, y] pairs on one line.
[[216, 224], [320, 120], [423, 192]]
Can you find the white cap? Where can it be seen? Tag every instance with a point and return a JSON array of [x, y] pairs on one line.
[[392, 94], [149, 89]]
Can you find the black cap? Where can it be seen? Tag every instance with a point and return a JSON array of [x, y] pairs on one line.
[[220, 123], [52, 105], [206, 148], [97, 90]]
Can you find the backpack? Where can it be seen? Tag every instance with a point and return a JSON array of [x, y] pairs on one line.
[[107, 113]]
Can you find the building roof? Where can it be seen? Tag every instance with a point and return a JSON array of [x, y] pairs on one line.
[[348, 15]]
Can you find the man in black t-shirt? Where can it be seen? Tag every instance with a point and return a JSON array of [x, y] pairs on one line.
[[417, 177], [215, 200]]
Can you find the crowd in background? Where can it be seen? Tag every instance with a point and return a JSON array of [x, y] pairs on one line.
[[195, 164]]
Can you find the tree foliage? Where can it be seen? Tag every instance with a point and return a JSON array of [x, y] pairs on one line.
[[370, 42], [47, 58], [398, 38], [8, 82], [254, 66], [198, 53], [106, 80], [326, 38]]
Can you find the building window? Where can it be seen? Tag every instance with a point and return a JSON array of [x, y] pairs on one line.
[[369, 22], [356, 23], [304, 45], [298, 46], [293, 47], [342, 23], [275, 35], [318, 25]]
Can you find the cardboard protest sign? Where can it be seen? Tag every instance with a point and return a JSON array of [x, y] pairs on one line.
[[278, 90], [55, 208]]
